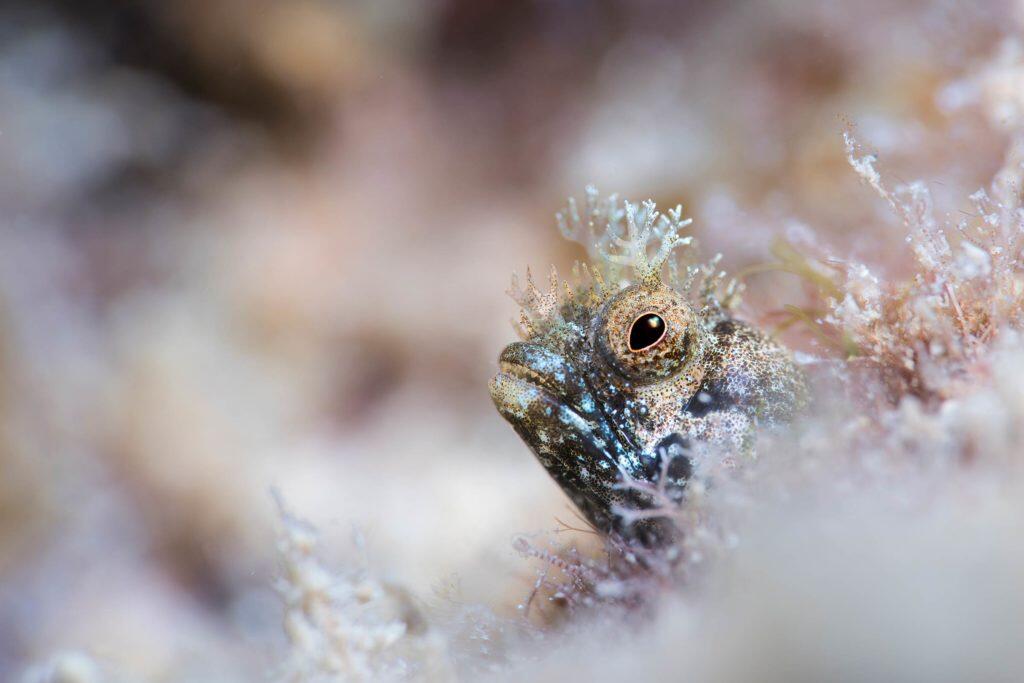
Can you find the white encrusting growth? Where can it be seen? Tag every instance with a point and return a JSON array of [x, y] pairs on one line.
[[346, 626]]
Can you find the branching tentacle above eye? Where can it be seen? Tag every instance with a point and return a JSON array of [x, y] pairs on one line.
[[627, 244], [621, 236], [593, 284], [536, 306]]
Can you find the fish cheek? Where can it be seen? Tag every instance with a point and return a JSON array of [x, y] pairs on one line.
[[571, 447]]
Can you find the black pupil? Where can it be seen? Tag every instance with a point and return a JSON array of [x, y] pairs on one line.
[[646, 332]]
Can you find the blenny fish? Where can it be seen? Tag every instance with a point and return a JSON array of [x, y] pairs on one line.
[[621, 376]]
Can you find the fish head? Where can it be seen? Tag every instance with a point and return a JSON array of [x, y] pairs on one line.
[[599, 394]]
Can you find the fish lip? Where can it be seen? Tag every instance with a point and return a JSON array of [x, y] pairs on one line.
[[514, 384], [545, 371], [514, 395], [526, 374]]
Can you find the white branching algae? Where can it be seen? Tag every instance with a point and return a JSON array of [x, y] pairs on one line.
[[349, 626]]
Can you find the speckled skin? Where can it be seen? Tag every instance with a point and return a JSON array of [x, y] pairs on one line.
[[599, 415]]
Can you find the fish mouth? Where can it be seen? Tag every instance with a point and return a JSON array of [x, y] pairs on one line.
[[552, 409], [528, 375], [531, 373]]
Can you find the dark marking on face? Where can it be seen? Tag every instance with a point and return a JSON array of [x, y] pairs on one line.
[[671, 459]]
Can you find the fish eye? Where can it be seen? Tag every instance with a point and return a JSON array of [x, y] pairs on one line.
[[646, 331], [647, 336]]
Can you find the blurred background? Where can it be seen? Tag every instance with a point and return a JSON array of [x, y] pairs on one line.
[[257, 245]]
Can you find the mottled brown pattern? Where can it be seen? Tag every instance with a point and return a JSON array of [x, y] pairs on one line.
[[606, 421]]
